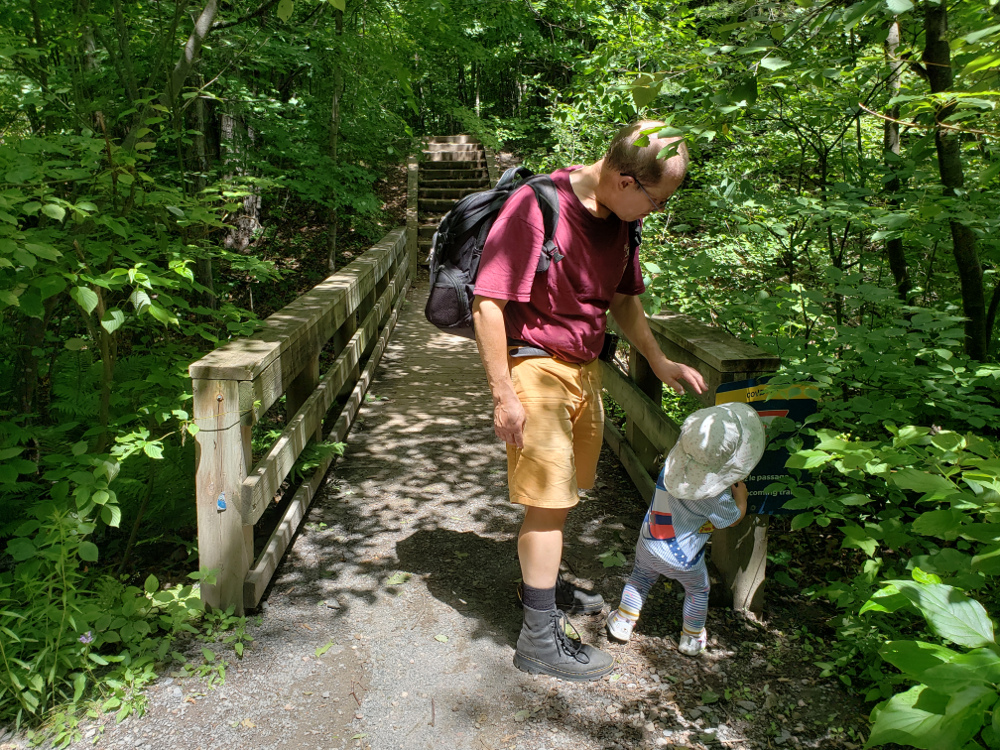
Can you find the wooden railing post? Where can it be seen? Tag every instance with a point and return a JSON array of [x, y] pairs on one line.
[[412, 224], [642, 375], [738, 553], [300, 389], [222, 461]]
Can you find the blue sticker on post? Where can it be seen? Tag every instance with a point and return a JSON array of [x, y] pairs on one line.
[[221, 502], [795, 402]]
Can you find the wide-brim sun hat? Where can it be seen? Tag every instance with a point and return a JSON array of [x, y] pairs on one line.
[[717, 447]]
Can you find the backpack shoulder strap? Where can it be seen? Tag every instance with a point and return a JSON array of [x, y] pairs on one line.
[[634, 235], [548, 202]]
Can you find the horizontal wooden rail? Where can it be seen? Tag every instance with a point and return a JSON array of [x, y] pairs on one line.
[[262, 572], [739, 553], [259, 488], [236, 384]]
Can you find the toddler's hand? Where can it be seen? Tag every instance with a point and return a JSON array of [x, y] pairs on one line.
[[740, 493]]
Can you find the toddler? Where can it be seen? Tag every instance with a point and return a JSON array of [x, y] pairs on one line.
[[699, 490]]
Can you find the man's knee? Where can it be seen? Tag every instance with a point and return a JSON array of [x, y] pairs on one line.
[[544, 519]]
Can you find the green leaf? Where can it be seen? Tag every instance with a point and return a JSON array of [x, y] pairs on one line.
[[989, 174], [441, 638], [950, 613], [774, 63], [644, 90], [744, 91], [324, 648], [111, 515], [898, 7], [918, 718], [285, 9], [398, 578], [981, 63], [987, 561], [153, 449], [802, 520], [162, 315], [151, 585], [915, 657], [981, 666], [21, 549], [942, 523], [85, 297], [88, 551], [340, 5], [921, 481], [112, 320], [53, 211], [709, 697]]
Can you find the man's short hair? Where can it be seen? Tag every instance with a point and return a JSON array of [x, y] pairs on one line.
[[640, 161]]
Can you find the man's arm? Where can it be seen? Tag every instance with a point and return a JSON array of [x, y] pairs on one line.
[[628, 312], [491, 338]]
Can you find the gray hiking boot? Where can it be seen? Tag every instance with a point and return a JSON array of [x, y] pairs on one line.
[[572, 599], [544, 647]]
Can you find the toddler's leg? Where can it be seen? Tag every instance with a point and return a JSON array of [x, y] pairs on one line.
[[696, 587], [622, 620]]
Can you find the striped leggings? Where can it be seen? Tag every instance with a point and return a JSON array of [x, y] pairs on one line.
[[647, 569]]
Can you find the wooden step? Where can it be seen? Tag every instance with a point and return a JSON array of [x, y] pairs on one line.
[[434, 174], [449, 193], [450, 160], [458, 148], [442, 205], [453, 139], [477, 183]]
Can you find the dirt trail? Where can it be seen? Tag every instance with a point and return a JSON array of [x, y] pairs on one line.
[[392, 620]]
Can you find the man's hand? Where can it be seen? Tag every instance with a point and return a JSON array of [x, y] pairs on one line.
[[508, 421], [672, 373], [740, 495]]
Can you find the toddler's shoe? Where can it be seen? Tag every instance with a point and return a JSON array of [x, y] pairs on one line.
[[620, 627], [692, 645]]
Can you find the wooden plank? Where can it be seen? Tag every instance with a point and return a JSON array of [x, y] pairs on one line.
[[640, 477], [259, 488], [222, 457], [646, 381], [491, 167], [648, 416], [412, 194], [258, 578], [316, 315], [713, 346], [270, 384]]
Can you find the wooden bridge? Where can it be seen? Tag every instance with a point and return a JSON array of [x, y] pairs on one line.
[[346, 323]]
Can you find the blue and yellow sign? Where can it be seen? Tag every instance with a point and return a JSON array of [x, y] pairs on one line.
[[794, 402]]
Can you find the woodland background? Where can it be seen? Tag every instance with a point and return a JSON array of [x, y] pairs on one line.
[[173, 171]]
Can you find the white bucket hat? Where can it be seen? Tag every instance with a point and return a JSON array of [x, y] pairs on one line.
[[718, 446]]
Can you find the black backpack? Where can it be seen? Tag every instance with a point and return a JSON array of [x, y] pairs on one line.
[[458, 245], [460, 237]]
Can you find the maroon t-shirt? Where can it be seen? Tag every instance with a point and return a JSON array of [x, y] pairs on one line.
[[562, 310]]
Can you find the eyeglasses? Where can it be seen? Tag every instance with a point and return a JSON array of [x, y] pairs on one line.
[[657, 207]]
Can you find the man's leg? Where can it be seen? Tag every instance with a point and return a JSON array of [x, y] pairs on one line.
[[542, 477]]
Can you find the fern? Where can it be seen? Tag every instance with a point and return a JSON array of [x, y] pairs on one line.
[[76, 384]]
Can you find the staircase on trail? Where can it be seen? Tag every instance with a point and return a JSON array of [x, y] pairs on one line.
[[452, 166]]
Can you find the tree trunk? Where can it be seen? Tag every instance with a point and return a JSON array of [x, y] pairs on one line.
[[937, 60], [203, 270], [894, 247], [334, 143], [235, 142]]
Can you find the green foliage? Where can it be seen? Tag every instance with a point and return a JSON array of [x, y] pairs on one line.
[[956, 691]]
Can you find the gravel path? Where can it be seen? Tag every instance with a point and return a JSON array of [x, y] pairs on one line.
[[391, 622]]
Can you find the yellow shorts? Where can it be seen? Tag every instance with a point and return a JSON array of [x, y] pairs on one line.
[[563, 431]]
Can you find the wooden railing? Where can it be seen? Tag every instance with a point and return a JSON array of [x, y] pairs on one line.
[[348, 317], [740, 552]]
